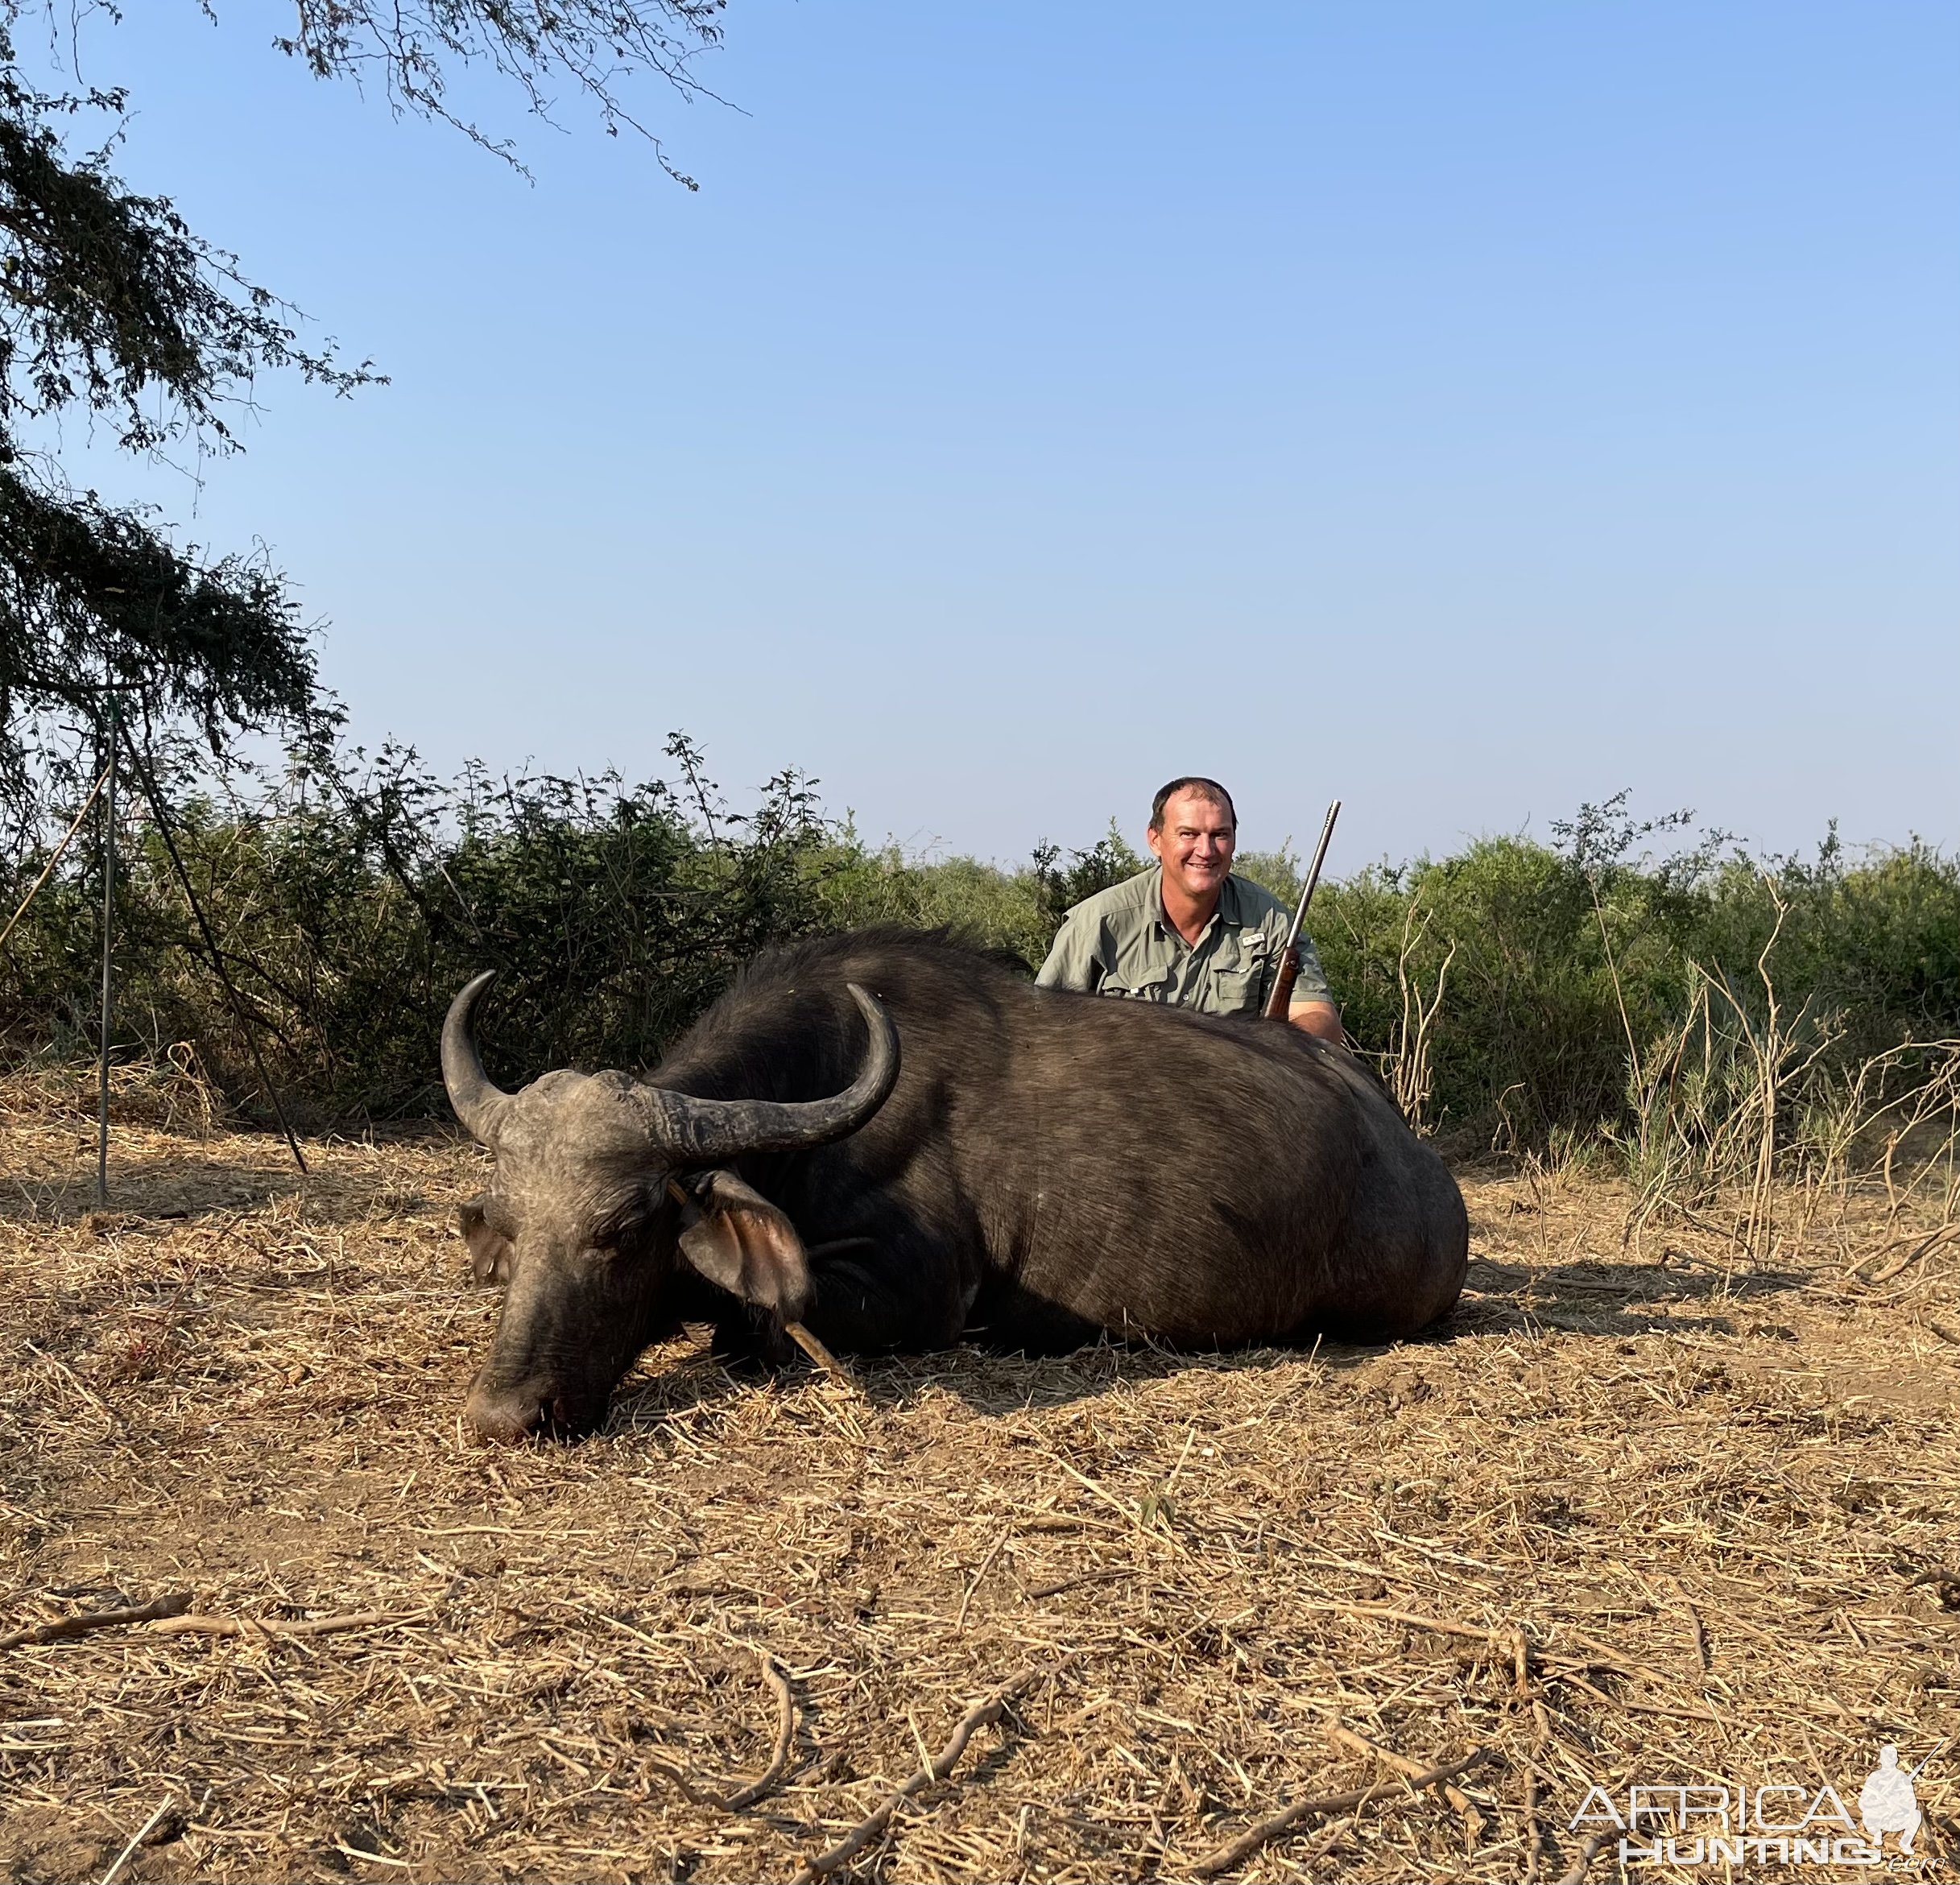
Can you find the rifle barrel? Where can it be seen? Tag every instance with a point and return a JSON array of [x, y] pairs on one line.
[[1313, 874]]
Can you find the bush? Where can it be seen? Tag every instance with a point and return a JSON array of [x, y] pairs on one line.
[[346, 914], [350, 903]]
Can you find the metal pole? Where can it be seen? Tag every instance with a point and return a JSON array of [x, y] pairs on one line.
[[108, 917]]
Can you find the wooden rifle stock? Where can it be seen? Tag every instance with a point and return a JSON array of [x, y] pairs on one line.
[[1281, 998]]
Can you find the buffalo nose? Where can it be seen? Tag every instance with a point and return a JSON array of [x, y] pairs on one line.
[[511, 1412], [505, 1416]]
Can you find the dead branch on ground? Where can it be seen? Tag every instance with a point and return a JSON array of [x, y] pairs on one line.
[[1237, 1851], [201, 1626], [988, 1709], [63, 1626], [785, 1736]]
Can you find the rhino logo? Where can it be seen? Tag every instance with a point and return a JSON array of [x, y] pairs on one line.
[[1886, 1803]]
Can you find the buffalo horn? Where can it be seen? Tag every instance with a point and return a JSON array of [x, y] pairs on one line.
[[705, 1131], [478, 1103]]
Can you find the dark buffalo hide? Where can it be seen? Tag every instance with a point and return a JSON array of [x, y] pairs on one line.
[[944, 1152]]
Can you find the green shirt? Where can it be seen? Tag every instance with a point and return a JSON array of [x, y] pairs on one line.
[[1119, 942]]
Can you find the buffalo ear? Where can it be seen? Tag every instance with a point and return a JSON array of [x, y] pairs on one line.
[[736, 1237], [489, 1250]]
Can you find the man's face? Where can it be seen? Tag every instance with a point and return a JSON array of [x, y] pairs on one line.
[[1194, 846]]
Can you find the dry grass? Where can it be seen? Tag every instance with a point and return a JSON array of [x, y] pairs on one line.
[[1722, 1509]]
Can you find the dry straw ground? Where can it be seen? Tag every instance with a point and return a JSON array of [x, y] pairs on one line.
[[1636, 1514]]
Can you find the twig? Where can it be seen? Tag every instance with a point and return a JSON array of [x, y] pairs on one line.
[[54, 856], [1694, 1623], [817, 1353], [1135, 1518], [1042, 1590], [785, 1735], [143, 1613], [201, 1626], [1901, 1264], [967, 1598], [218, 957], [989, 1709], [1524, 1652], [1344, 1737], [1444, 1625], [1534, 1829], [87, 1393], [1248, 1842], [687, 1791], [142, 1833], [1587, 1854], [1891, 1244]]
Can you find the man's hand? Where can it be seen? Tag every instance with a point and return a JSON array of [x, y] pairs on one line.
[[1321, 1018]]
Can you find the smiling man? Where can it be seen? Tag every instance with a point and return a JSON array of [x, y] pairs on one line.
[[1187, 932]]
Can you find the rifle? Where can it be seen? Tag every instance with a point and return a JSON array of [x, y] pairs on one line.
[[1277, 1003]]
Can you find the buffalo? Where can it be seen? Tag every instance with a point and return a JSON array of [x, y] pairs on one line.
[[898, 1143]]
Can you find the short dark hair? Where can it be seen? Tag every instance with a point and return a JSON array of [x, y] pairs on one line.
[[1198, 787]]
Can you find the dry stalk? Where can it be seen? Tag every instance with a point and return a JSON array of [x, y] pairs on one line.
[[1619, 992], [1407, 1062], [1442, 1626], [972, 1583], [1770, 1050], [142, 1833]]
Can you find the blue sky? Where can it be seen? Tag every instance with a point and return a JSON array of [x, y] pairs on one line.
[[1467, 411]]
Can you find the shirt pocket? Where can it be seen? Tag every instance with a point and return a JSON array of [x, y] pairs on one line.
[[1146, 985], [1236, 985]]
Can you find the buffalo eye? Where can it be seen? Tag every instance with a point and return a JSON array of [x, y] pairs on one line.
[[625, 1223], [489, 1248]]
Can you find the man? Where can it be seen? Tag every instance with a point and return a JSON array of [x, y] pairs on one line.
[[1187, 932]]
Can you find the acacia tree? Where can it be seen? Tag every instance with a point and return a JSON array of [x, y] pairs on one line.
[[596, 48], [115, 314]]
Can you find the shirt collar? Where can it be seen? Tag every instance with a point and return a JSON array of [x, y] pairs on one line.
[[1228, 914]]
